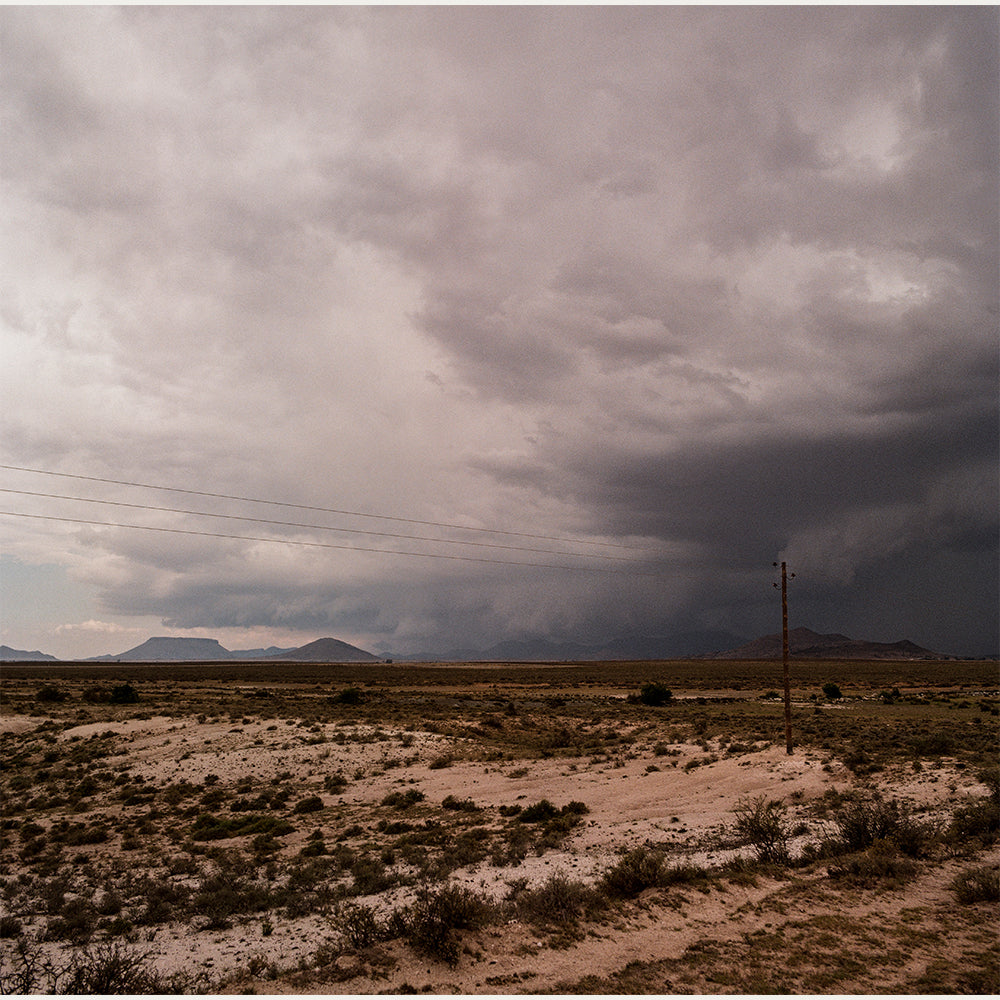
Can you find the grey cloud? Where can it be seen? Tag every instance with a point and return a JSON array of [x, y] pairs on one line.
[[720, 281]]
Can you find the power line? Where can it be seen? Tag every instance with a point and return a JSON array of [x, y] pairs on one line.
[[325, 510], [325, 545], [319, 527]]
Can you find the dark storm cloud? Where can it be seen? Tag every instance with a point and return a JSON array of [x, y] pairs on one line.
[[718, 283]]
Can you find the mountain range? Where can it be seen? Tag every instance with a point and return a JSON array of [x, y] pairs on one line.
[[806, 644], [802, 643], [175, 649]]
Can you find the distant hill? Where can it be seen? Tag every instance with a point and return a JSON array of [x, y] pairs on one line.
[[806, 644], [167, 648], [676, 646], [7, 654], [327, 651], [173, 649]]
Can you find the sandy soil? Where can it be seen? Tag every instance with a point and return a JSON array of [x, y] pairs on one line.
[[648, 800]]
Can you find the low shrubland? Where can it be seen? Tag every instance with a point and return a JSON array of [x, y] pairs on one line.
[[211, 849]]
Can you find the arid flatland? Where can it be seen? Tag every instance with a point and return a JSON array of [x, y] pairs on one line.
[[500, 828]]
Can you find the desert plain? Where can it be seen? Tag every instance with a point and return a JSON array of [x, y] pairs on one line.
[[576, 828]]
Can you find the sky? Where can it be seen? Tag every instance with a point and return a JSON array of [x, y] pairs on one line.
[[604, 310]]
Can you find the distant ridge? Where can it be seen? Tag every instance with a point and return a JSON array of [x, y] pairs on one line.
[[175, 649], [7, 655], [806, 644]]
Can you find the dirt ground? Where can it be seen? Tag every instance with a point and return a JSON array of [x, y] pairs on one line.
[[767, 930]]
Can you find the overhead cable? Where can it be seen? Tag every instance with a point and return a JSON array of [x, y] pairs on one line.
[[319, 527], [325, 510], [325, 545]]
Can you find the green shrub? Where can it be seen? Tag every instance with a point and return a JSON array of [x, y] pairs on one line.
[[761, 823], [832, 691], [977, 885]]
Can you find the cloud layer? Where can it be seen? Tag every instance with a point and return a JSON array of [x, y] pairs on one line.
[[622, 275]]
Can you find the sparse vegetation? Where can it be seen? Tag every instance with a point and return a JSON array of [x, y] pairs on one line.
[[253, 853]]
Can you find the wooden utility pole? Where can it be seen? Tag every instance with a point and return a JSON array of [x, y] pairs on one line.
[[784, 657]]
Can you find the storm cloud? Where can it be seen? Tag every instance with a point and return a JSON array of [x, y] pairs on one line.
[[695, 288]]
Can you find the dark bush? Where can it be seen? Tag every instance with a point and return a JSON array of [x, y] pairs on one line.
[[110, 969], [349, 696], [51, 693], [434, 917], [538, 813], [123, 694], [461, 805], [832, 691], [865, 821], [403, 800], [977, 885], [558, 900], [360, 926], [312, 803], [654, 693]]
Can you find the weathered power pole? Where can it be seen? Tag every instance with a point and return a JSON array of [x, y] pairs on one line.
[[784, 656]]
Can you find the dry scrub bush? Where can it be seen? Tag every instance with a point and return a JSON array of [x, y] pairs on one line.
[[977, 885], [430, 923], [103, 970], [558, 900], [635, 871], [761, 823], [867, 820]]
